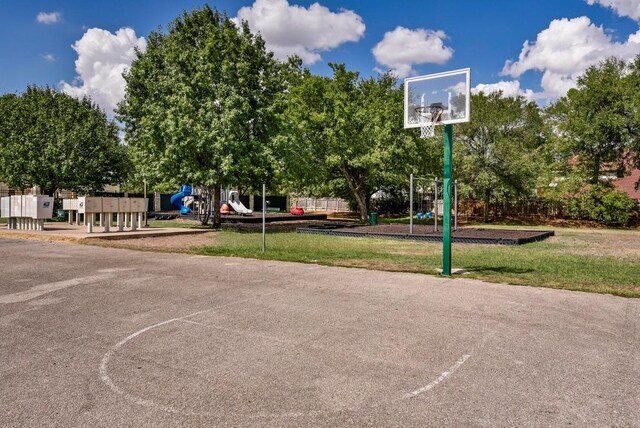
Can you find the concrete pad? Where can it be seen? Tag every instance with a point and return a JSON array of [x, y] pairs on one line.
[[454, 271], [98, 336]]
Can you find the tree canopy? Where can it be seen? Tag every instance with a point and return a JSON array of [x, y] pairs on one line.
[[599, 118], [500, 149], [55, 141], [202, 104], [345, 136]]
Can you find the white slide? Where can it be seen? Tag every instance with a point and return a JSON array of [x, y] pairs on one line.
[[236, 205]]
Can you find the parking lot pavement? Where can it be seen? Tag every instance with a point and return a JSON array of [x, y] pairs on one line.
[[109, 337]]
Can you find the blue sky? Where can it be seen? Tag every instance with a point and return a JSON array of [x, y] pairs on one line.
[[410, 37]]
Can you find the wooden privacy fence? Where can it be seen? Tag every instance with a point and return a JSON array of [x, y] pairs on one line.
[[526, 208], [321, 204]]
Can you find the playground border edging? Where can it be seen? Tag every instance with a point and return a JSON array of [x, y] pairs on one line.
[[540, 235]]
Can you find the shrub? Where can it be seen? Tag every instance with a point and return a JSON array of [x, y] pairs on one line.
[[604, 205], [617, 208]]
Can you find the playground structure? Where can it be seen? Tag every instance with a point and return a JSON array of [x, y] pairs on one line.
[[235, 204], [193, 200], [99, 211], [296, 211], [197, 200], [425, 200], [26, 212], [184, 199]]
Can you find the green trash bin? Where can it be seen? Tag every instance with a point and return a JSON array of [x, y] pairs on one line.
[[373, 218]]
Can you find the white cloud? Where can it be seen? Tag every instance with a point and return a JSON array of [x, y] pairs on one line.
[[402, 48], [509, 88], [565, 50], [295, 30], [48, 17], [459, 88], [49, 57], [630, 8], [102, 58]]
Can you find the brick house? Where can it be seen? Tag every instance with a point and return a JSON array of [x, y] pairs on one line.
[[627, 184]]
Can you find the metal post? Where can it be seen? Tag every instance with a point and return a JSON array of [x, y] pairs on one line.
[[455, 204], [411, 204], [133, 220], [435, 210], [264, 217], [446, 217], [146, 223]]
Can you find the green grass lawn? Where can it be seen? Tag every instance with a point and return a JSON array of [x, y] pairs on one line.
[[589, 260]]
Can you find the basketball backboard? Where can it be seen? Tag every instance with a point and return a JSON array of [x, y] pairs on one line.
[[451, 90]]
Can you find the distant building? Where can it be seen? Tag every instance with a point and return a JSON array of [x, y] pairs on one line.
[[629, 184]]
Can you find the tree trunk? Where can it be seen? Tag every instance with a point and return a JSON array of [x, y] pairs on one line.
[[47, 191], [206, 201], [216, 207], [361, 199], [595, 170], [485, 210], [357, 189]]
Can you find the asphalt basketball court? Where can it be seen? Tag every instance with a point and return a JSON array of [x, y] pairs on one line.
[[98, 336]]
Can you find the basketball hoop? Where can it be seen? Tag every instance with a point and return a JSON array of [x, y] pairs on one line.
[[429, 117]]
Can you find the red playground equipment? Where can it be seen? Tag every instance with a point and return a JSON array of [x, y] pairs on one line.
[[296, 211]]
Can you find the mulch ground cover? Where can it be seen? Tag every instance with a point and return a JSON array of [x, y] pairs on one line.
[[474, 235], [283, 226]]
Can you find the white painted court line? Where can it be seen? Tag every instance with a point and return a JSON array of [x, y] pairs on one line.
[[104, 375], [440, 378], [104, 372], [42, 289], [106, 379]]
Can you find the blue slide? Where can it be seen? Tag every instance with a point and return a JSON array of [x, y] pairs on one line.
[[176, 200]]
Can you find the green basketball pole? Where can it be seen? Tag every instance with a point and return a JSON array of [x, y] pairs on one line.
[[446, 198]]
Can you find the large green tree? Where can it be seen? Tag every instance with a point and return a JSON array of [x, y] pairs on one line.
[[500, 150], [202, 103], [345, 136], [55, 141], [598, 120], [632, 97]]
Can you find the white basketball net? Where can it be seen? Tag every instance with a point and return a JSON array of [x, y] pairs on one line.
[[427, 124], [427, 128]]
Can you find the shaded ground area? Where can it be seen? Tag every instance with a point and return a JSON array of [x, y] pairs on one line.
[[426, 233], [285, 226], [109, 337], [256, 217]]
